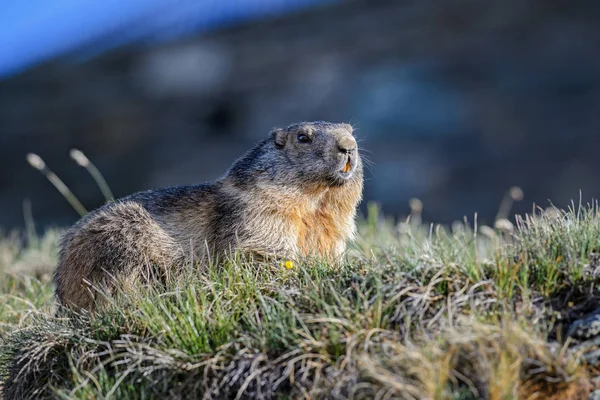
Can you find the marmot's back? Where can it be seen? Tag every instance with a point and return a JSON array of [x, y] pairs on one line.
[[129, 238], [294, 194]]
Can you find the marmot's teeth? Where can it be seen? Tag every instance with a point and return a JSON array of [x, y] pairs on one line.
[[347, 167]]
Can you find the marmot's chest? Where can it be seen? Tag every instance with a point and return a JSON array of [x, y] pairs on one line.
[[318, 233]]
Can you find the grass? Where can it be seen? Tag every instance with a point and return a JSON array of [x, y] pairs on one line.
[[415, 312]]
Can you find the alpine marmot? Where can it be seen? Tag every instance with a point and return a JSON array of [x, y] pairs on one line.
[[293, 195]]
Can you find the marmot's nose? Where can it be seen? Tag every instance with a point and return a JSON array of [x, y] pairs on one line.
[[346, 145]]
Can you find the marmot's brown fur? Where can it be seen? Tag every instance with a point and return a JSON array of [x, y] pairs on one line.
[[293, 195]]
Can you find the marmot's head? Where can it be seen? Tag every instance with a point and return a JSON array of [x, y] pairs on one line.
[[318, 153]]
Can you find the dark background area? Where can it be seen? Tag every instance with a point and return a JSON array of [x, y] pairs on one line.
[[455, 101]]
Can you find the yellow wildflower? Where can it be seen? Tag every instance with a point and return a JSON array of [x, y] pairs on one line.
[[288, 264]]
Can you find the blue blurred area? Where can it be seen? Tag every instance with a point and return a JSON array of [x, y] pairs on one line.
[[34, 30], [453, 102]]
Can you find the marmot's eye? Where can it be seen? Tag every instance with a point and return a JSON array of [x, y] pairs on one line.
[[302, 138]]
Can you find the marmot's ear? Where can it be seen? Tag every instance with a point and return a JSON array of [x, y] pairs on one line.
[[279, 136]]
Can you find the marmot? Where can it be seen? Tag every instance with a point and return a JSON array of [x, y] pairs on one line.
[[293, 195]]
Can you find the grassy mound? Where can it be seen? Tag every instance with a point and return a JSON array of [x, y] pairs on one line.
[[416, 312]]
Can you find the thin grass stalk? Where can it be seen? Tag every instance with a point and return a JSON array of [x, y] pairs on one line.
[[36, 162], [84, 162]]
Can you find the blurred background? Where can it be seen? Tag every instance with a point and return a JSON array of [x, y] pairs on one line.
[[455, 101]]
